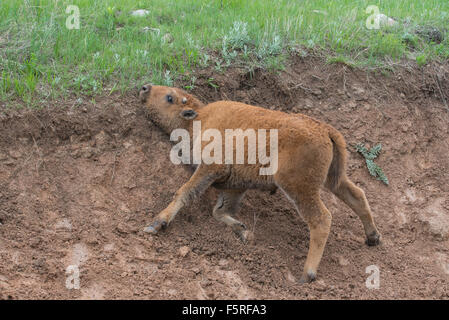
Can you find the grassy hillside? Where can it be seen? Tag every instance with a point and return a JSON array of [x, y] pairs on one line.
[[41, 59]]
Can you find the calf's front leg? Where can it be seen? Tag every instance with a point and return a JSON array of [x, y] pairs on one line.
[[202, 179]]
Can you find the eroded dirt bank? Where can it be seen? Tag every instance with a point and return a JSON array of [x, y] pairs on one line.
[[79, 181]]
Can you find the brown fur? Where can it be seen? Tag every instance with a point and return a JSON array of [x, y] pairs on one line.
[[311, 155]]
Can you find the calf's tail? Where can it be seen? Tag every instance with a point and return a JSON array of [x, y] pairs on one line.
[[337, 169]]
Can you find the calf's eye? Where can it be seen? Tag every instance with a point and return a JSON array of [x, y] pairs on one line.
[[169, 99]]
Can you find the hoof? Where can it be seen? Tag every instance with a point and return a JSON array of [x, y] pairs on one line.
[[245, 236], [307, 278], [242, 235], [241, 232], [373, 239], [155, 227]]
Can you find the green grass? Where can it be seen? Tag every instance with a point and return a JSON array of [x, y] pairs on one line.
[[40, 59]]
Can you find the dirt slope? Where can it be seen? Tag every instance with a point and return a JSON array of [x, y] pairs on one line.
[[78, 182]]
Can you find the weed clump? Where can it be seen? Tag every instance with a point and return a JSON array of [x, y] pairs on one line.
[[370, 155]]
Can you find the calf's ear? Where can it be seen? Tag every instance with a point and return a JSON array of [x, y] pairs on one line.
[[188, 114]]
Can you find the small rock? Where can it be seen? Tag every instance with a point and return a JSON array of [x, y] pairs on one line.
[[383, 20], [196, 270], [222, 262], [23, 140], [183, 251], [75, 154], [65, 235], [167, 38], [88, 152], [320, 285], [343, 261], [122, 228], [131, 186], [109, 247], [148, 29], [359, 91], [140, 13], [64, 224], [101, 139], [92, 240], [35, 242], [15, 154], [211, 295], [172, 292], [290, 277], [10, 162], [124, 208]]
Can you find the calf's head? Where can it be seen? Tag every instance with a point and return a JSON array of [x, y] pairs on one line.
[[169, 107]]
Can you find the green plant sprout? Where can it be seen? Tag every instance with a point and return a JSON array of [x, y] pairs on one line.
[[370, 155]]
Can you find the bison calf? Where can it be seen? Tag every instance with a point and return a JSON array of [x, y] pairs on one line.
[[311, 155]]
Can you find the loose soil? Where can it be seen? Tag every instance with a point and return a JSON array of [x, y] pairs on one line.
[[79, 181]]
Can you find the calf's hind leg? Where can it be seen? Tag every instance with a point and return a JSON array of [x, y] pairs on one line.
[[227, 205], [355, 198]]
